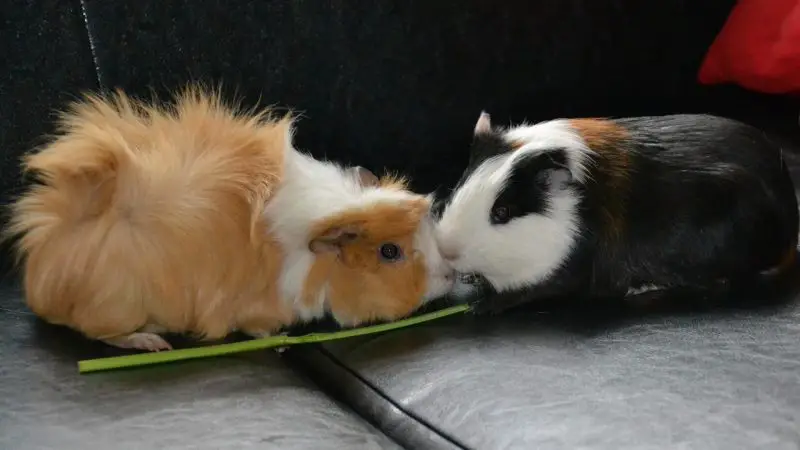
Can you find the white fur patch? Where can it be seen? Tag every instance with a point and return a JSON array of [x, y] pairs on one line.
[[314, 190], [528, 249], [549, 135]]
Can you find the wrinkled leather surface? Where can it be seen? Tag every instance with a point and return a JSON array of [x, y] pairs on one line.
[[670, 376], [714, 381], [241, 402]]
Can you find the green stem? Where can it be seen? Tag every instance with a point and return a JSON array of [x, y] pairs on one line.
[[141, 359]]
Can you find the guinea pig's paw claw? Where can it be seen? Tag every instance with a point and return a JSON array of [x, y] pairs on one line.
[[141, 341], [150, 341]]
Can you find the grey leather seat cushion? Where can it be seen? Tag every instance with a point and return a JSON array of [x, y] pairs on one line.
[[715, 381], [242, 402]]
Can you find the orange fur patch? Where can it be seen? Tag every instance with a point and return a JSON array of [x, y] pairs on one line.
[[361, 286], [152, 216], [516, 145], [609, 141], [601, 135]]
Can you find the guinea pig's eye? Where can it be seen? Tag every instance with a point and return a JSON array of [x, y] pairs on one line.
[[390, 252], [500, 215]]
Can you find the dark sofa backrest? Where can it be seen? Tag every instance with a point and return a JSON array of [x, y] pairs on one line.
[[393, 84]]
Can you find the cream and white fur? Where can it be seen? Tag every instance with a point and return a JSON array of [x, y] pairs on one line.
[[313, 190]]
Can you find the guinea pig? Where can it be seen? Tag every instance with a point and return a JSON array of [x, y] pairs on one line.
[[199, 218], [602, 208]]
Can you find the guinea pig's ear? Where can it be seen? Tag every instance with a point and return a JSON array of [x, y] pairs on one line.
[[549, 168], [557, 172], [365, 177], [484, 124], [332, 239]]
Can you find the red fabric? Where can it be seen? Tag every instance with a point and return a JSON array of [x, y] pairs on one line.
[[758, 48]]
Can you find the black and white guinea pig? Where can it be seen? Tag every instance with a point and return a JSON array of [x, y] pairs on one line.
[[611, 208]]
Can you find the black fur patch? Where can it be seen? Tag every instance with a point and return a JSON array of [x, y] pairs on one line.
[[484, 146], [710, 199], [531, 178]]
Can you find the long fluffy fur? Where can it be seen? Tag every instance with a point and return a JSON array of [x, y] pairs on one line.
[[146, 214], [199, 218]]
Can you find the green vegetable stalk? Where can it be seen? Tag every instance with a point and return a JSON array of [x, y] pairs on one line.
[[142, 359]]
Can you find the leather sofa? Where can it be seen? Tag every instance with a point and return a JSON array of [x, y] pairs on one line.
[[398, 84]]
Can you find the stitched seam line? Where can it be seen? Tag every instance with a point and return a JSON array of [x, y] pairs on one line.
[[92, 47], [381, 394]]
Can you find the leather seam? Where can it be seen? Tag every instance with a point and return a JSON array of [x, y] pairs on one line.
[[447, 437], [92, 47]]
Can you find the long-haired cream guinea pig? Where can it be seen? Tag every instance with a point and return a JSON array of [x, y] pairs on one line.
[[595, 208], [198, 218]]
